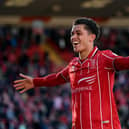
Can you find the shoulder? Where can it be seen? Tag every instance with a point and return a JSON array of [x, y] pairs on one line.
[[108, 54], [74, 60]]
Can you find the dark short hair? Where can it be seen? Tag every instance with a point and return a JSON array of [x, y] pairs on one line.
[[90, 24]]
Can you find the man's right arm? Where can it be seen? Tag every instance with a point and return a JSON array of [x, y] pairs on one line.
[[52, 79], [28, 82]]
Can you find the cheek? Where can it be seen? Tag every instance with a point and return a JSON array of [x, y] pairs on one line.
[[71, 38], [84, 46], [84, 41]]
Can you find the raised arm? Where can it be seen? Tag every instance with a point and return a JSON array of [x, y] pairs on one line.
[[121, 63], [54, 79], [115, 62]]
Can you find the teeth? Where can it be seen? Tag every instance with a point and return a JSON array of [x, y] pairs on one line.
[[75, 42]]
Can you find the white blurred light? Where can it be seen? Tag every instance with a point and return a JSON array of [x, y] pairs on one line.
[[127, 9], [37, 26], [18, 3], [95, 3], [56, 8]]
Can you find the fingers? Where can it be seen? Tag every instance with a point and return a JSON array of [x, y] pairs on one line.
[[23, 84], [22, 91], [19, 81], [23, 76], [20, 87]]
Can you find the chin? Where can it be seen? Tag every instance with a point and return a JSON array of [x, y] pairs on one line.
[[76, 51]]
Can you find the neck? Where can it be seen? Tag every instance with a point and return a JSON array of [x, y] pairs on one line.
[[84, 54]]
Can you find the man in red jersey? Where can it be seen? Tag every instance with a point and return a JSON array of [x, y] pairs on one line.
[[91, 76]]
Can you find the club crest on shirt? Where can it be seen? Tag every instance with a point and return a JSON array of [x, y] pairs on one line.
[[72, 69]]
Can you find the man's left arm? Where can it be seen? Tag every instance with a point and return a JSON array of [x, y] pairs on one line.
[[121, 63], [114, 61]]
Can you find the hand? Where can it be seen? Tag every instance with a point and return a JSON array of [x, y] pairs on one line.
[[24, 84]]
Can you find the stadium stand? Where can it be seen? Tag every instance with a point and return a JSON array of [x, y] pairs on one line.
[[37, 55]]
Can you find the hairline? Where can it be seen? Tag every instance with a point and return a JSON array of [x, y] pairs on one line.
[[86, 27]]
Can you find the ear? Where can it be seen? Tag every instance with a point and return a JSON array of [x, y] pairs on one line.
[[92, 37]]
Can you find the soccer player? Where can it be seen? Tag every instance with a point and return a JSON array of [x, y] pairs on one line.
[[91, 76]]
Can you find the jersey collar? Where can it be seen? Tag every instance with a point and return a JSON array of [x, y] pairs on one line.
[[92, 54]]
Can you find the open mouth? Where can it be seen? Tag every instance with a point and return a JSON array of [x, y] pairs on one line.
[[75, 43]]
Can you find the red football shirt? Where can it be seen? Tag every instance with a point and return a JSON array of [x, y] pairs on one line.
[[92, 80]]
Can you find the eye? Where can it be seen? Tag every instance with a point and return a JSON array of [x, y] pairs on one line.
[[78, 33]]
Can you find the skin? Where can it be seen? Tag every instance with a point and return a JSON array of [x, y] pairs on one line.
[[85, 40], [24, 84], [82, 41]]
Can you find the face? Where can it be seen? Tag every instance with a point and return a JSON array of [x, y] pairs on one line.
[[81, 39]]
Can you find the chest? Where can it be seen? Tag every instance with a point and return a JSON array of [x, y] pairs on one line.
[[83, 74]]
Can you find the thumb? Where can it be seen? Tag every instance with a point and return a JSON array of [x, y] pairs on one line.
[[24, 76]]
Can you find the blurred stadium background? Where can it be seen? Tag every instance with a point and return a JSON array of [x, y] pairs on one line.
[[34, 39]]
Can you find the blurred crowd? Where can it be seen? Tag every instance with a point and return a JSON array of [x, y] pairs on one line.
[[49, 108]]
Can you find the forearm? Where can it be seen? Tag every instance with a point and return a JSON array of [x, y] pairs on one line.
[[50, 80], [121, 63]]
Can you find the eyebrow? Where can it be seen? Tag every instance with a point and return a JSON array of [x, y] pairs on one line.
[[75, 31]]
